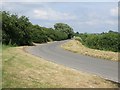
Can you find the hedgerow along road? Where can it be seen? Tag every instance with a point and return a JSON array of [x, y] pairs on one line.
[[54, 53]]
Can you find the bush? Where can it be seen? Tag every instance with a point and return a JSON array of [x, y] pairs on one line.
[[104, 41], [78, 38], [19, 31], [15, 29]]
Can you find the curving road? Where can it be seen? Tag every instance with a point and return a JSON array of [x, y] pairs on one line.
[[53, 52]]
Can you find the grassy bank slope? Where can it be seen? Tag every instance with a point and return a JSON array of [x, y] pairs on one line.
[[77, 47], [21, 69]]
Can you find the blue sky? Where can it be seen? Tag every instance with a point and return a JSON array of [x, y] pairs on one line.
[[90, 17]]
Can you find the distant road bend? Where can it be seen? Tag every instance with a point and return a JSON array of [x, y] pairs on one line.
[[54, 53]]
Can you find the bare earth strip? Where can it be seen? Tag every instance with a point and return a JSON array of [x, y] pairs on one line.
[[21, 69], [77, 47]]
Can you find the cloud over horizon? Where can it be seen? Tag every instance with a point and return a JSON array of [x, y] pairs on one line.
[[51, 14], [82, 16], [114, 11]]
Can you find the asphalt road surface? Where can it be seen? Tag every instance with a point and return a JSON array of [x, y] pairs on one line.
[[54, 53]]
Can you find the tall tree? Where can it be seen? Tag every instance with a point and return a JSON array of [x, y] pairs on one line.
[[15, 29], [64, 28]]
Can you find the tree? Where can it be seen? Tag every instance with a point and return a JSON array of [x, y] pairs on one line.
[[0, 26], [64, 28], [19, 31], [103, 41], [15, 29]]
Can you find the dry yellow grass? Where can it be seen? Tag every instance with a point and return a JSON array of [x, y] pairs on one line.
[[21, 69], [77, 47], [0, 66]]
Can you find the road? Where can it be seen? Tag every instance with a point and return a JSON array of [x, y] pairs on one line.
[[54, 53]]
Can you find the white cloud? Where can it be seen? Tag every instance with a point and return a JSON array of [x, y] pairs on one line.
[[50, 14], [112, 22], [95, 19], [98, 22], [90, 22], [114, 11]]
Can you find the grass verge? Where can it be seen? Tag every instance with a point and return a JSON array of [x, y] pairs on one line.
[[22, 70], [0, 65], [77, 47]]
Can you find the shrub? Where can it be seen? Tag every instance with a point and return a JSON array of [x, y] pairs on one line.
[[104, 41]]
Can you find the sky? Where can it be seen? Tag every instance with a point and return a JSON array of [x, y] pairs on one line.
[[89, 17]]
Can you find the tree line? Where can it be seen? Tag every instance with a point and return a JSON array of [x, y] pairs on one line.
[[109, 41], [18, 30]]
